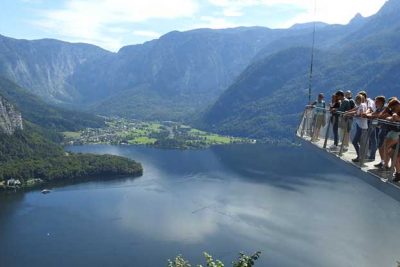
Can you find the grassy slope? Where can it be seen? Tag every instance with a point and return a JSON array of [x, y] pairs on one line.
[[38, 112]]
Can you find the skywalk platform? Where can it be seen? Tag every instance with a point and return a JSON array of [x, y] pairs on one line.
[[366, 170]]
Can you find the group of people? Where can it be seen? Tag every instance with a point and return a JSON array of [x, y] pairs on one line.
[[376, 124]]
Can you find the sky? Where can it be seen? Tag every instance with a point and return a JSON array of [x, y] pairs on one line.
[[112, 24]]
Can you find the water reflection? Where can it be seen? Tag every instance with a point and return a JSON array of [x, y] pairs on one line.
[[298, 210]]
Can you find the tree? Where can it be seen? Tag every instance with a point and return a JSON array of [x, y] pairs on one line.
[[243, 261]]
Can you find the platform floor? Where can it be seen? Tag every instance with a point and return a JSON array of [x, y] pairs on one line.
[[384, 176]]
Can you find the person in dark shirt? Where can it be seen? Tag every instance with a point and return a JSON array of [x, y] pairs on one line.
[[334, 106], [345, 124], [343, 107], [349, 96]]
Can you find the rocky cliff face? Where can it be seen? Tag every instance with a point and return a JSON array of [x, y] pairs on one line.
[[44, 66], [10, 118]]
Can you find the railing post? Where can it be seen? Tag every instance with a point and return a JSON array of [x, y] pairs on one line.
[[310, 121], [344, 134], [364, 145], [327, 130], [304, 123], [300, 129], [312, 125]]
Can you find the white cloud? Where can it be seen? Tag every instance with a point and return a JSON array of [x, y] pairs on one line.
[[233, 8], [215, 23], [150, 34], [104, 22], [338, 11], [93, 19]]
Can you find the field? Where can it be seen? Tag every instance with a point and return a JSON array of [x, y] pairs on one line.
[[160, 134]]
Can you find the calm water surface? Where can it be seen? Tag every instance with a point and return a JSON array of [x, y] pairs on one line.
[[297, 208]]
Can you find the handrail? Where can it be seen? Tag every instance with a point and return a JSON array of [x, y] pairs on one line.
[[341, 113]]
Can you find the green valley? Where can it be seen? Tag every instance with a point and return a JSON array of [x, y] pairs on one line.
[[165, 134]]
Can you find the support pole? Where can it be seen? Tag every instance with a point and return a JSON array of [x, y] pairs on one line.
[[327, 130], [344, 134]]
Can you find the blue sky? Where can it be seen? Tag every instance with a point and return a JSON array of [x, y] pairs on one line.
[[112, 24]]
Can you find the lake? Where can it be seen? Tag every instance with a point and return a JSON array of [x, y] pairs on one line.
[[298, 208]]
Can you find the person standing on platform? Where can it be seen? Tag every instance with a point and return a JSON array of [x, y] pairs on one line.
[[344, 107], [361, 127], [319, 116]]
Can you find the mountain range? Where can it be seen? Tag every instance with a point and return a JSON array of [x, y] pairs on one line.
[[267, 98], [246, 81], [172, 77]]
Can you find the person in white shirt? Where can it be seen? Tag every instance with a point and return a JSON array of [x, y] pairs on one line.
[[370, 103], [361, 127], [372, 145]]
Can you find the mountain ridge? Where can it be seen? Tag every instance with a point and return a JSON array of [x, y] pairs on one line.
[[365, 59]]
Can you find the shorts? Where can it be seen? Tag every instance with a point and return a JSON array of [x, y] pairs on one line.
[[320, 120], [345, 123], [393, 135]]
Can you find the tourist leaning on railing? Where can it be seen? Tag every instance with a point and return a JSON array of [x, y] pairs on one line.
[[370, 103], [319, 119], [349, 121], [361, 126], [372, 145], [335, 104], [395, 109], [380, 132], [378, 122], [392, 137], [349, 96], [344, 106]]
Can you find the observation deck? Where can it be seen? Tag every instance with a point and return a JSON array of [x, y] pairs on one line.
[[323, 140]]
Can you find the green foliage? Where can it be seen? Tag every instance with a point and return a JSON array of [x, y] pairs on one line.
[[30, 154], [29, 143], [69, 166], [247, 261], [40, 113], [178, 262], [243, 261], [210, 261]]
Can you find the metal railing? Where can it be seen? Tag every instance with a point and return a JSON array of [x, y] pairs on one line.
[[324, 127]]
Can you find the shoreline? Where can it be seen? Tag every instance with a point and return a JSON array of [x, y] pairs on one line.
[[69, 181]]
